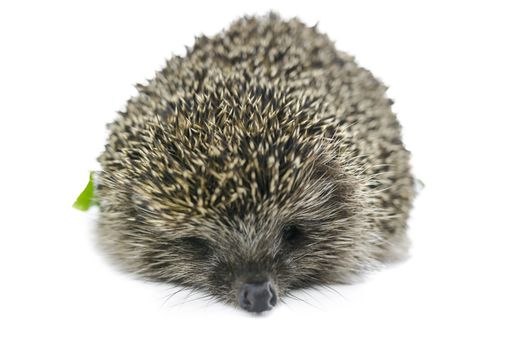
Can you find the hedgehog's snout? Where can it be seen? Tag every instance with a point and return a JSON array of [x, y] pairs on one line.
[[257, 297]]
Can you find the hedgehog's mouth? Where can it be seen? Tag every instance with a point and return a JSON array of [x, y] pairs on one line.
[[257, 296]]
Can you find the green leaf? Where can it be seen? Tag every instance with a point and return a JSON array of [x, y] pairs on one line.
[[86, 199]]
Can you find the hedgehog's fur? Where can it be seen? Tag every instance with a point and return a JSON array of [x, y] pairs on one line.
[[261, 129]]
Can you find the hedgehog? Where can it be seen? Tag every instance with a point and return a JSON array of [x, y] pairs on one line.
[[261, 162]]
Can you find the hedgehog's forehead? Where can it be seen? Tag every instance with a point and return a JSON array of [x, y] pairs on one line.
[[250, 204], [260, 184], [248, 227]]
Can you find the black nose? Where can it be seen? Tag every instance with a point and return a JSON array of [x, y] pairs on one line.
[[257, 297]]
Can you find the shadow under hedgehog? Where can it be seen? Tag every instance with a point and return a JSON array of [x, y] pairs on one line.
[[263, 161]]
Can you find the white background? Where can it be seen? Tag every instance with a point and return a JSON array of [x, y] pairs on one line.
[[458, 73]]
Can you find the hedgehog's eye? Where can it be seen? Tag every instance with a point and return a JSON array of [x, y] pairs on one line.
[[198, 245], [291, 233]]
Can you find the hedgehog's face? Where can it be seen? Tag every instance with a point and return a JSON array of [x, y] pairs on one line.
[[247, 204], [256, 255], [255, 250]]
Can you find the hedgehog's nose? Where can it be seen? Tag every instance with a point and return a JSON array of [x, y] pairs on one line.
[[257, 297]]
